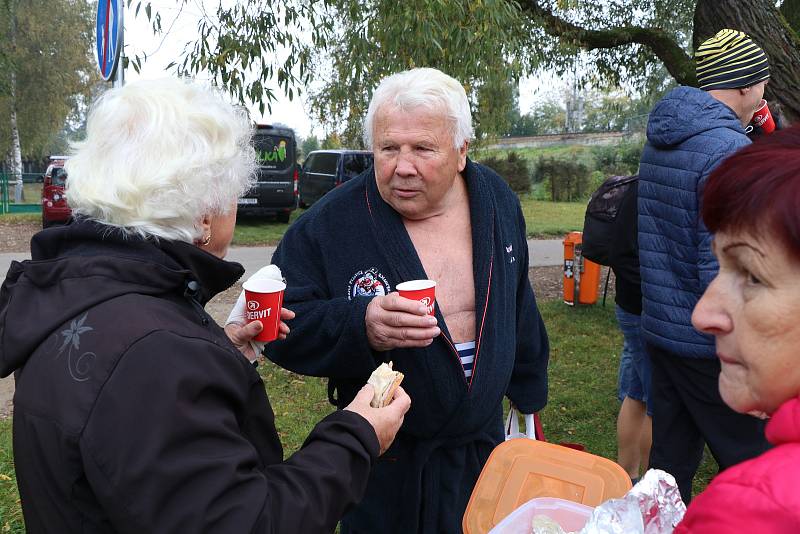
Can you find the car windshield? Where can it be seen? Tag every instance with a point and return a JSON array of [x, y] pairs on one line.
[[274, 152], [59, 176]]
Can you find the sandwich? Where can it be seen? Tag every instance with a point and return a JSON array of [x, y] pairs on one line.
[[385, 381]]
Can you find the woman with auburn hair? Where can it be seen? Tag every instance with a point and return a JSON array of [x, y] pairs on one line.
[[752, 205], [133, 411]]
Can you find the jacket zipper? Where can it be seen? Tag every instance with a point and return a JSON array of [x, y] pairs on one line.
[[190, 292]]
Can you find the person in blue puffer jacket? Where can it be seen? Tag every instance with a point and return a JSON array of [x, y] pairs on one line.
[[689, 133]]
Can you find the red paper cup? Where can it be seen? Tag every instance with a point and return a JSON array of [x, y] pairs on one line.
[[422, 290], [263, 301], [762, 118]]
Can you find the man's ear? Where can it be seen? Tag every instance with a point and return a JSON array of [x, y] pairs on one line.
[[462, 156], [744, 90]]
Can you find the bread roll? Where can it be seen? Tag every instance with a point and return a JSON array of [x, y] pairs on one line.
[[385, 381]]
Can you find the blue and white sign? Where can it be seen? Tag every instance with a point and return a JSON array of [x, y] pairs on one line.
[[109, 36]]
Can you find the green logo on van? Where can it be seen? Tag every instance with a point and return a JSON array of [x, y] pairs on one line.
[[278, 154]]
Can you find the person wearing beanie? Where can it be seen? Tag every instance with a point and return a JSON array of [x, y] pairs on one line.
[[734, 70], [691, 131]]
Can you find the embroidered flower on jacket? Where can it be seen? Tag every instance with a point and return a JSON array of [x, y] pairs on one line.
[[73, 333]]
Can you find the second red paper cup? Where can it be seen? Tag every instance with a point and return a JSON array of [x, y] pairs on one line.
[[263, 301], [422, 290], [762, 118]]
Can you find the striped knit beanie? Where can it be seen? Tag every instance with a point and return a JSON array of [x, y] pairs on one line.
[[730, 60]]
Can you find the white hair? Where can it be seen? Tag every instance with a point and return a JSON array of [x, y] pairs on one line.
[[423, 88], [159, 155]]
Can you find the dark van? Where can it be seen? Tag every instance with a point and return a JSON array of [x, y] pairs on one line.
[[325, 169], [276, 190]]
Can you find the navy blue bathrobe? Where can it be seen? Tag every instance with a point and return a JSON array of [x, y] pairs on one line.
[[351, 246]]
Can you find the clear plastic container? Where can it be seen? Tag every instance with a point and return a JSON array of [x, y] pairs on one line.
[[571, 516]]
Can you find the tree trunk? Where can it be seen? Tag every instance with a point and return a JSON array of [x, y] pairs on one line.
[[761, 20], [16, 150]]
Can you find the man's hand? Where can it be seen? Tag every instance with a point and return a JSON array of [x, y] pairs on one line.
[[397, 322], [385, 421], [241, 335]]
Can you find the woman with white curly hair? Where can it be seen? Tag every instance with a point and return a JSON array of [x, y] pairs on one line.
[[133, 411]]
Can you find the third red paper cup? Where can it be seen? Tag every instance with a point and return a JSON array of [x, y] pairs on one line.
[[422, 290], [263, 301]]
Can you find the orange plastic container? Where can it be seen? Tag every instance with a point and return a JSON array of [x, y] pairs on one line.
[[572, 240], [581, 276], [519, 470]]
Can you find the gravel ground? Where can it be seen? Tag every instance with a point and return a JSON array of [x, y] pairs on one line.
[[16, 236]]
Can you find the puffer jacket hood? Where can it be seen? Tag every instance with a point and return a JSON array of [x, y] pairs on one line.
[[40, 295], [686, 112]]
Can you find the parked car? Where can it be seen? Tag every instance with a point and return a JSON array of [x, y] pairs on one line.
[[55, 209], [325, 169], [276, 189]]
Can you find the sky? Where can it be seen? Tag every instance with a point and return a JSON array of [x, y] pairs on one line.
[[181, 26], [161, 50]]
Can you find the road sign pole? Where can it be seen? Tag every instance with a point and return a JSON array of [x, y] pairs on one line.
[[119, 76]]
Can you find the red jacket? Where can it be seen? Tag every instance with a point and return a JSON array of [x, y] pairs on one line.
[[759, 495]]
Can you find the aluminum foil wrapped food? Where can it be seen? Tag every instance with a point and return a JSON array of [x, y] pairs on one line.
[[652, 506]]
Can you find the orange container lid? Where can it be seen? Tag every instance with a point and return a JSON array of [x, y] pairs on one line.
[[519, 470]]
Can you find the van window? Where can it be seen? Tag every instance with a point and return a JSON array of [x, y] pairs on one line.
[[274, 152], [355, 164], [325, 163]]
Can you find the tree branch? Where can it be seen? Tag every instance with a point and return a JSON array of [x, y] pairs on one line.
[[679, 64]]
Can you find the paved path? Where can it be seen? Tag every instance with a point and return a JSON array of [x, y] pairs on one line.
[[542, 253]]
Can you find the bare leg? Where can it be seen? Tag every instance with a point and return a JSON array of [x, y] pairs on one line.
[[645, 441], [630, 435]]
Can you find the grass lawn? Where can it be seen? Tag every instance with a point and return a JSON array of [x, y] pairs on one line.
[[10, 512], [582, 408], [542, 219], [32, 193], [552, 219], [254, 230]]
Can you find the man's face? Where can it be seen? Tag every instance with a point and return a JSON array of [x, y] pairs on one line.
[[416, 164], [752, 100]]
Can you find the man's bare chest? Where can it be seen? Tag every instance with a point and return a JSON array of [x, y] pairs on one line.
[[447, 259]]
